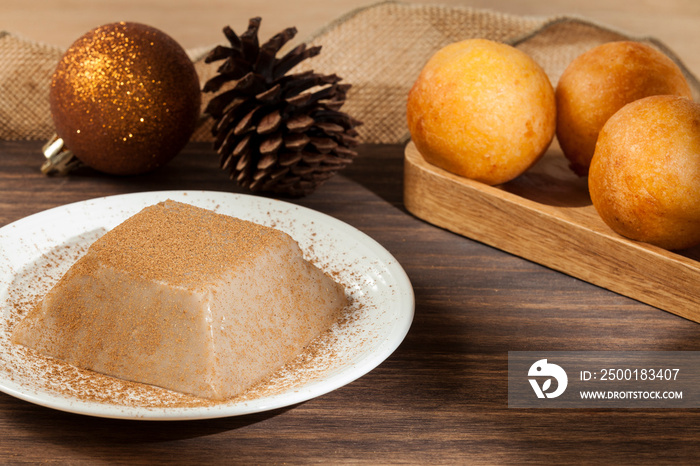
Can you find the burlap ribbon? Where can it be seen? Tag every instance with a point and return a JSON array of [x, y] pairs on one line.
[[379, 49]]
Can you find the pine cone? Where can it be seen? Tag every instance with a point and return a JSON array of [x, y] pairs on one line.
[[277, 132]]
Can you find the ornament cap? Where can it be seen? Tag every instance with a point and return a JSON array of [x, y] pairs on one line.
[[59, 159]]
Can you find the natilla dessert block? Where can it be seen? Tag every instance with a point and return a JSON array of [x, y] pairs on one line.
[[186, 299]]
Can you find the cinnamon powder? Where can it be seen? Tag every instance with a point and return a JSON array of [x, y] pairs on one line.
[[60, 378]]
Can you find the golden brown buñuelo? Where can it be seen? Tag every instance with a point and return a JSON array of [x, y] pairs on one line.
[[644, 177], [482, 110], [601, 81]]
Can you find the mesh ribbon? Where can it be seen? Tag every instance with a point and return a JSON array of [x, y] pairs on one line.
[[379, 49]]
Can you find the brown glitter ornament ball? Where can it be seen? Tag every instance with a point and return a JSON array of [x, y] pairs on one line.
[[125, 98]]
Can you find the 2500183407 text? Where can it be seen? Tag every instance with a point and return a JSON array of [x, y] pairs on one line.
[[617, 374]]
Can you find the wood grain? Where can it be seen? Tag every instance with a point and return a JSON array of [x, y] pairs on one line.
[[441, 398], [546, 216]]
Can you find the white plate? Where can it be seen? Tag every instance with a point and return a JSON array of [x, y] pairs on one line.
[[37, 250]]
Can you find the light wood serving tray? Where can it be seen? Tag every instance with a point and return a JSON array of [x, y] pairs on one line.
[[546, 216]]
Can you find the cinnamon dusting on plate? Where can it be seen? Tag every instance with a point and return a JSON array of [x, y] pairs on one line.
[[57, 378]]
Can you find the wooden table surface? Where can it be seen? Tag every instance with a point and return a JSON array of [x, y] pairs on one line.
[[442, 396]]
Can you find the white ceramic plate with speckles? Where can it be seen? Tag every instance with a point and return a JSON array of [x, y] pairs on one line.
[[37, 250]]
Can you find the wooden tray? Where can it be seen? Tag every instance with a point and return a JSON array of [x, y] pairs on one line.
[[546, 216]]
